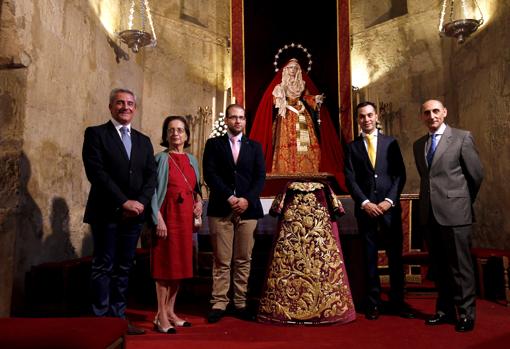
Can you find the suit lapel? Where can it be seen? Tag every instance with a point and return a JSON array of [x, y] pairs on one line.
[[114, 136], [443, 144], [135, 145], [381, 148], [421, 160], [359, 145], [225, 144], [244, 148]]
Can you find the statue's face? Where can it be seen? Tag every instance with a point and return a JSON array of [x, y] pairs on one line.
[[292, 68]]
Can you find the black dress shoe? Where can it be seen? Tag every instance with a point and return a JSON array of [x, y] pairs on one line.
[[440, 319], [133, 330], [400, 309], [215, 315], [372, 313], [406, 314], [245, 314], [465, 324]]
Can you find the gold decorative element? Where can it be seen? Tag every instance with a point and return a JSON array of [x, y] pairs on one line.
[[306, 280], [306, 186]]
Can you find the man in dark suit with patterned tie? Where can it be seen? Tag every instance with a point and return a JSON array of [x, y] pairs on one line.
[[235, 173], [375, 176], [119, 163], [451, 174]]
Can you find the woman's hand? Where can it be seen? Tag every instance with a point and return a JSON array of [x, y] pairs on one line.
[[197, 208], [161, 231]]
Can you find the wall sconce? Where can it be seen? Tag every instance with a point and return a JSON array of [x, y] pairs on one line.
[[460, 24], [135, 35]]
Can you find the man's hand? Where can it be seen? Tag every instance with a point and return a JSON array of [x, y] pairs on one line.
[[240, 206], [373, 210], [132, 208], [384, 205], [232, 200]]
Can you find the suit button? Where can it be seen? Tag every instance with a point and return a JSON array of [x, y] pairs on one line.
[[130, 171], [375, 191], [375, 175]]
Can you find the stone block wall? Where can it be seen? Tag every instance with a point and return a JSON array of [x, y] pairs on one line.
[[59, 59], [403, 61]]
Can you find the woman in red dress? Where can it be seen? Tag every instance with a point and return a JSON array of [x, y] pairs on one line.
[[175, 204]]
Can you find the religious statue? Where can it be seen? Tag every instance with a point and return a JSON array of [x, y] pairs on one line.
[[296, 147], [296, 133]]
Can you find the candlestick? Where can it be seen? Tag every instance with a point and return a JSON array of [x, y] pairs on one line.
[[224, 100], [213, 109]]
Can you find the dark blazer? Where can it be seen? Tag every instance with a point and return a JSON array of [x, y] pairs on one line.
[[386, 180], [115, 178], [225, 178], [451, 184]]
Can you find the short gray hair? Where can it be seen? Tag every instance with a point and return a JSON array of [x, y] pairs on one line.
[[121, 90]]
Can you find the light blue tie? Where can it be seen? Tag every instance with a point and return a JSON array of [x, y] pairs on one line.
[[126, 140], [432, 149]]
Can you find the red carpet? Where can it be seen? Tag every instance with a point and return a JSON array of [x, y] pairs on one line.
[[492, 331]]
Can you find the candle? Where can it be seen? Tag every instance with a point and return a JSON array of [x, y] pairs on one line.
[[213, 110], [233, 100], [357, 97], [224, 100], [377, 103]]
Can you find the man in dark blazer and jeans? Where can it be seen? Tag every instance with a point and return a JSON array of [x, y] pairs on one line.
[[375, 176], [119, 163], [235, 173], [451, 174]]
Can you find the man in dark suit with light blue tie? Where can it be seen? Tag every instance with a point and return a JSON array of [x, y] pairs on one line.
[[375, 176], [119, 163], [235, 173], [451, 174]]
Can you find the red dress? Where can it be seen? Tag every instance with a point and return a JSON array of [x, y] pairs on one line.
[[172, 258]]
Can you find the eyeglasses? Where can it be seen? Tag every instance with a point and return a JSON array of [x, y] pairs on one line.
[[236, 117], [178, 130]]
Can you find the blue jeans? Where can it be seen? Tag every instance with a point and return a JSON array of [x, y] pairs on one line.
[[114, 252]]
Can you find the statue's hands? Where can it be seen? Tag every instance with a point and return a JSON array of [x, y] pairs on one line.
[[319, 99]]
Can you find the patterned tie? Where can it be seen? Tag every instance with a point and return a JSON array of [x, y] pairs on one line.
[[235, 148], [371, 149], [432, 149], [126, 140]]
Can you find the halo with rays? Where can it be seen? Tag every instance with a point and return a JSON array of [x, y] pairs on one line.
[[293, 46]]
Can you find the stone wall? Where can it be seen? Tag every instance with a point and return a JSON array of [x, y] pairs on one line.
[[403, 61], [480, 85], [54, 83], [58, 61], [190, 65]]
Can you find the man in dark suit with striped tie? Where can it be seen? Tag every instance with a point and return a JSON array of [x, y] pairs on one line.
[[119, 163], [375, 176], [451, 174]]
